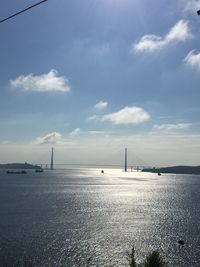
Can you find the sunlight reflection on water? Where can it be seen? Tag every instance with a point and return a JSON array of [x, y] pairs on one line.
[[63, 217]]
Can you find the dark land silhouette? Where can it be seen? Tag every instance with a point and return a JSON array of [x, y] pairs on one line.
[[175, 170], [24, 166]]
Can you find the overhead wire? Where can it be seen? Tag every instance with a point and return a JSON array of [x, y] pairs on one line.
[[22, 11]]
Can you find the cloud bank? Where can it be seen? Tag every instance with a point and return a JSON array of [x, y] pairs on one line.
[[42, 83], [171, 127], [149, 43], [158, 149]]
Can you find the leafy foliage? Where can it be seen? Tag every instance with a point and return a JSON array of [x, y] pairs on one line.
[[153, 259], [131, 258]]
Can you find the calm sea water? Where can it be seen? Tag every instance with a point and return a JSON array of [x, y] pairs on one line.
[[63, 217]]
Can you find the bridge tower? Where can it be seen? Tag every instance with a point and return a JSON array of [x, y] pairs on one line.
[[125, 165], [52, 158]]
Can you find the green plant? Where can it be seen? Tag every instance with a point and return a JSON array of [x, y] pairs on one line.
[[153, 259], [131, 258]]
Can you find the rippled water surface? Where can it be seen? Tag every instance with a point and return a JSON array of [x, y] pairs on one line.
[[65, 217]]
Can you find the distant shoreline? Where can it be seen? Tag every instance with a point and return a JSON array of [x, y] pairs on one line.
[[182, 169], [175, 170], [24, 166]]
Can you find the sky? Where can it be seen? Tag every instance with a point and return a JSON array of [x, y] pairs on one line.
[[92, 77]]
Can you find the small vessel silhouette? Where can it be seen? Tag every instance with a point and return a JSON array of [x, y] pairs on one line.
[[39, 170], [17, 172], [181, 242]]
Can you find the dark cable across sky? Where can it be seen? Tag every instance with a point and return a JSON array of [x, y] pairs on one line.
[[22, 11]]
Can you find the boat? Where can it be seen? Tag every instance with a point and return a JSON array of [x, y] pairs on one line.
[[13, 172], [17, 172], [39, 170]]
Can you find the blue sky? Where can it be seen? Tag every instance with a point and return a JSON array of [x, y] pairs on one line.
[[95, 76]]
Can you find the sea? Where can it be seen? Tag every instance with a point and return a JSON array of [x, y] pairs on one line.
[[82, 217]]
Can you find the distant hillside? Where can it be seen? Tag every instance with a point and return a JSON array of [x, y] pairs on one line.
[[23, 166], [175, 169]]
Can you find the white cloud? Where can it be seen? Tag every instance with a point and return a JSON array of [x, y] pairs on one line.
[[190, 5], [127, 115], [178, 33], [101, 105], [50, 138], [149, 43], [193, 60], [94, 118], [75, 132], [98, 132], [42, 83], [171, 127], [6, 142]]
